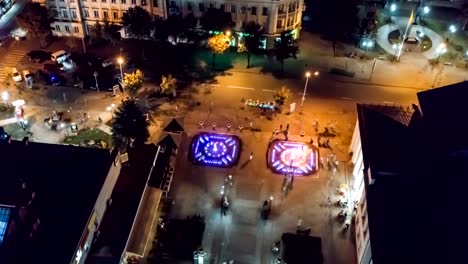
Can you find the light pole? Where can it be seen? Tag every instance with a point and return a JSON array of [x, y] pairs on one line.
[[120, 61], [452, 30], [441, 50], [95, 78], [5, 97], [111, 108], [307, 75]]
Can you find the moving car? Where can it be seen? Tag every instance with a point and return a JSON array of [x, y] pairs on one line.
[[17, 76], [38, 55]]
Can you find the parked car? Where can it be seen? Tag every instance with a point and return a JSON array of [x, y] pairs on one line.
[[59, 56], [52, 67], [17, 76], [107, 63], [38, 55]]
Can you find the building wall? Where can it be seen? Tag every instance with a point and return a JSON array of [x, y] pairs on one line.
[[78, 15], [358, 194], [98, 211], [74, 16]]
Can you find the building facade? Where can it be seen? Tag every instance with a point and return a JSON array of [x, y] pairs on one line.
[[74, 17]]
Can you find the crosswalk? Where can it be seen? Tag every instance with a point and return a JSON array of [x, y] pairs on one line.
[[11, 60]]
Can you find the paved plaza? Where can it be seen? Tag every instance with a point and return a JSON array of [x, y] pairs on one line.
[[241, 234]]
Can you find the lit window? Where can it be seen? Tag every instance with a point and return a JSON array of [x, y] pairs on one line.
[[67, 28], [77, 30], [4, 219]]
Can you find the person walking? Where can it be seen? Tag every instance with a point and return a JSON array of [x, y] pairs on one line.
[[287, 127], [281, 127], [299, 223], [251, 156]]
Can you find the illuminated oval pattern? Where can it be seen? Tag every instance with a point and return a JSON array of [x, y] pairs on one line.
[[289, 157], [217, 150]]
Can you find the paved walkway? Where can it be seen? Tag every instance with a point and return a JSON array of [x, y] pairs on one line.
[[400, 24], [8, 121]]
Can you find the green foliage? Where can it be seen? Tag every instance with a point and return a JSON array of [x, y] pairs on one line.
[[35, 19], [285, 49], [216, 19], [137, 22], [168, 85], [218, 44], [282, 95], [95, 33], [133, 81], [129, 125]]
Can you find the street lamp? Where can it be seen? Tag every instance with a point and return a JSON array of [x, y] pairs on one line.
[[393, 7], [367, 44], [5, 97], [120, 60], [307, 75], [426, 10], [440, 50], [111, 108], [453, 29], [95, 78]]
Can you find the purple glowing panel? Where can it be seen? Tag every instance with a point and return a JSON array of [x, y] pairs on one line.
[[217, 150], [289, 157]]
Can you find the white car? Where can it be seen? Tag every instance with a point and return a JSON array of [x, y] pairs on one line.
[[107, 63], [17, 76]]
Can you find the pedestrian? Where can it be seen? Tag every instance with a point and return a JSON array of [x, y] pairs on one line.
[[177, 108], [99, 119], [251, 156], [251, 124], [287, 127], [281, 127]]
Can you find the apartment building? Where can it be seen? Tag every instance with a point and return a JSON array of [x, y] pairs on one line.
[[73, 18]]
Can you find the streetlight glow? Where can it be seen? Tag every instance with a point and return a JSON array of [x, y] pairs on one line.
[[453, 29], [316, 73], [426, 9], [120, 60], [228, 33], [307, 74], [393, 7]]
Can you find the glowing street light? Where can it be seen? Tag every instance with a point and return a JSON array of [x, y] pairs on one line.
[[228, 33], [393, 7], [5, 96], [307, 75], [426, 10], [120, 60], [452, 29]]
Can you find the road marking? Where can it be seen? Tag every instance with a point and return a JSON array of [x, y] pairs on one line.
[[388, 102], [239, 87], [268, 90], [346, 98]]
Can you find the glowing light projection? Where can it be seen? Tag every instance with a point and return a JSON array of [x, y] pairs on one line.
[[289, 157], [217, 150]]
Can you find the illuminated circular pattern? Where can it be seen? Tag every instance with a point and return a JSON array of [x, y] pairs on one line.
[[287, 157], [213, 149]]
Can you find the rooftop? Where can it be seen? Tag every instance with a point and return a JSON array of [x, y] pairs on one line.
[[53, 189]]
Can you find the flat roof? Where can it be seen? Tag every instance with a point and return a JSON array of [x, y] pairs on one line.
[[117, 221], [56, 187]]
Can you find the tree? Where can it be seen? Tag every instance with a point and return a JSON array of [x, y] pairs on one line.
[[369, 24], [282, 95], [109, 33], [218, 44], [95, 33], [285, 49], [168, 85], [133, 81], [129, 125], [137, 22], [35, 19], [252, 31], [216, 19]]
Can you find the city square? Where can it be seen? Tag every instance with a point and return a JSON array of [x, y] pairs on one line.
[[227, 132]]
